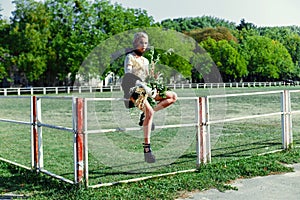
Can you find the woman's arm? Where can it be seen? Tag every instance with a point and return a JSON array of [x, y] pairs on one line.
[[128, 64]]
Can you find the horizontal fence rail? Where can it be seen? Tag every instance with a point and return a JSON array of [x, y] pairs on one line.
[[245, 117], [133, 128], [111, 88], [15, 121]]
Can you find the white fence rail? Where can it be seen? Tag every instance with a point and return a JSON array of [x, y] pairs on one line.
[[111, 88]]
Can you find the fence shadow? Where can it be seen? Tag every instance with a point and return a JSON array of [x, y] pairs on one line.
[[252, 148]]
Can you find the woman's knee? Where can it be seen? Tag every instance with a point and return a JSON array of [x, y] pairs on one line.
[[173, 97], [149, 111]]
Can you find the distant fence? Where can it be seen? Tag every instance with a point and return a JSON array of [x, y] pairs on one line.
[[111, 88]]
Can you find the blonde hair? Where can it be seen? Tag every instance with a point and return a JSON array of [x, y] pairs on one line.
[[137, 37]]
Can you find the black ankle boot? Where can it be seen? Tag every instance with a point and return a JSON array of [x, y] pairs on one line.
[[149, 157]]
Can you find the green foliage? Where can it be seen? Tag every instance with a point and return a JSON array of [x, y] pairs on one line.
[[246, 25], [46, 43], [225, 54], [268, 59], [171, 65], [113, 19], [189, 23], [85, 27], [219, 33], [4, 52], [290, 38], [3, 62], [49, 40], [28, 38]]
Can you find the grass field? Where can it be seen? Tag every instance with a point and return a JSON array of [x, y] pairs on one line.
[[118, 156]]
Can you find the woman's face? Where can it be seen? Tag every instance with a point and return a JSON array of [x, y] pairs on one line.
[[142, 44]]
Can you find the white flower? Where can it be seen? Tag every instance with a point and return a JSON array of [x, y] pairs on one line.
[[154, 61]]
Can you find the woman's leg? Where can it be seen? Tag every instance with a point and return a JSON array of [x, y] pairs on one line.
[[171, 97], [149, 112]]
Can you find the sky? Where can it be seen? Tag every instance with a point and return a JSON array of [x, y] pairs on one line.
[[258, 12]]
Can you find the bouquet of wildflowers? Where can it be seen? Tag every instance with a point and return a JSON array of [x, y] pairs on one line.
[[153, 84], [155, 75], [155, 79]]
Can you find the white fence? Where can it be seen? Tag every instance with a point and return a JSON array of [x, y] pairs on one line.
[[200, 158], [90, 89], [285, 114], [80, 133], [202, 124], [36, 137]]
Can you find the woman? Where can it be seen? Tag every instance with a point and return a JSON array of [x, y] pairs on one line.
[[137, 65]]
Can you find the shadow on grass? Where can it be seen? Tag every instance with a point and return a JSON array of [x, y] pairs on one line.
[[111, 174], [103, 171], [186, 161], [245, 150], [15, 181]]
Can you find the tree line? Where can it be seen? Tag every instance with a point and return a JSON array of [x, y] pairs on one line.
[[45, 43]]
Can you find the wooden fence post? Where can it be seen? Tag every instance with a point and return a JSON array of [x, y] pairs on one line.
[[203, 137], [79, 147]]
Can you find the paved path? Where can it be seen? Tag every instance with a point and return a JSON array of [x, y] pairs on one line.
[[273, 187]]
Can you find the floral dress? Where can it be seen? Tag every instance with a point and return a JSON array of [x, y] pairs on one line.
[[139, 67]]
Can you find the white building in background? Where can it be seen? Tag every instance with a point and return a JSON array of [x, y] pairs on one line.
[[110, 79]]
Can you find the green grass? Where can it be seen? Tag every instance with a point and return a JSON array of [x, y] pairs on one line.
[[118, 156], [215, 175]]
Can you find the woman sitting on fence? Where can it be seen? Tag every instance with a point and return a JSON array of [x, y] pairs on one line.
[[149, 97]]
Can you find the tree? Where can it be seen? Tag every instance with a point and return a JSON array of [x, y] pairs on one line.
[[292, 44], [72, 37], [28, 38], [189, 23], [50, 40], [3, 63], [4, 52], [245, 25], [112, 21], [289, 38], [219, 33], [268, 59], [227, 58]]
